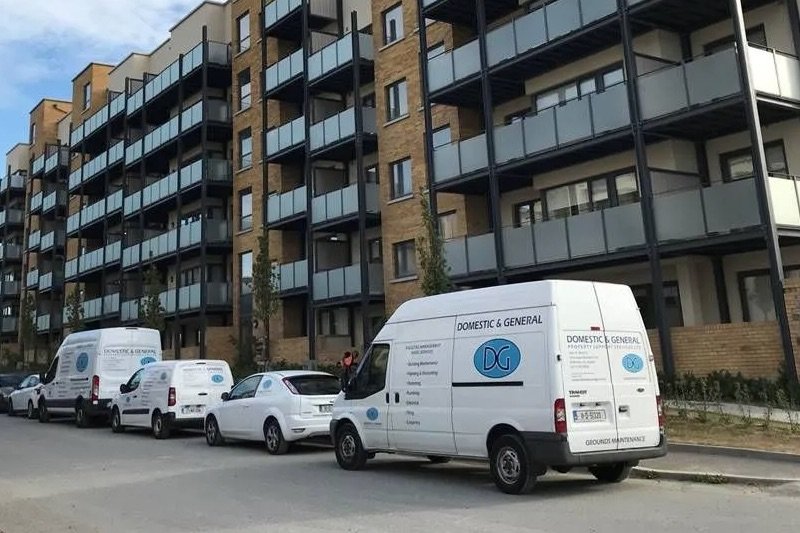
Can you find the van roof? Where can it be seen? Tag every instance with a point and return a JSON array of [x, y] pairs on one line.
[[96, 334], [177, 362], [295, 373], [513, 296]]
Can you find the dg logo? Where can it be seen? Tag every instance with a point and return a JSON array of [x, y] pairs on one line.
[[497, 358]]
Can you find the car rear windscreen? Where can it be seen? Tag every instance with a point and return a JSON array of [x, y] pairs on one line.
[[315, 385], [11, 380]]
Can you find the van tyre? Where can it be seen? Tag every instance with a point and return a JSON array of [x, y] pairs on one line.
[[44, 415], [511, 466], [81, 418], [612, 473], [350, 453], [31, 410], [116, 421], [213, 434], [273, 438], [160, 425]]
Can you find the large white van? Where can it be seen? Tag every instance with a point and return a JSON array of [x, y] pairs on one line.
[[90, 366], [529, 376], [170, 394]]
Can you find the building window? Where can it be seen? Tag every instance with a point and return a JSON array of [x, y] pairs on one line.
[[246, 209], [393, 24], [87, 96], [246, 272], [375, 250], [405, 259], [372, 174], [591, 194], [396, 100], [527, 213], [739, 164], [401, 178], [756, 294], [191, 276], [334, 322], [435, 50], [245, 149], [244, 89], [672, 304], [755, 35], [243, 28], [579, 88], [442, 136], [33, 133], [447, 225]]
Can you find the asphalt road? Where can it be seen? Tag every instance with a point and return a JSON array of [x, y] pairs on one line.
[[58, 478]]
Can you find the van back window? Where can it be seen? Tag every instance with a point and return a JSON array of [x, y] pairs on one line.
[[315, 385]]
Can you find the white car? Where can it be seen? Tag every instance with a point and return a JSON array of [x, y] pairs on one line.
[[23, 399], [277, 407]]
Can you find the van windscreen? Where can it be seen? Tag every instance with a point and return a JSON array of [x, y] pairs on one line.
[[315, 385]]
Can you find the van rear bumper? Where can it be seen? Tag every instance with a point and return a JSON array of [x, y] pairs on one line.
[[98, 409], [552, 449]]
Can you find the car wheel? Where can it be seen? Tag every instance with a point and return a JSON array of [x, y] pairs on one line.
[[31, 410], [44, 415], [273, 438], [161, 429], [350, 453], [437, 460], [213, 434], [510, 465], [81, 418], [116, 421], [613, 473], [10, 408]]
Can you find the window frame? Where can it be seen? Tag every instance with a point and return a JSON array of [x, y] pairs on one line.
[[400, 163], [611, 187], [651, 296], [396, 248], [597, 75], [241, 384], [245, 100], [400, 27], [245, 287], [754, 273], [366, 361], [726, 157], [245, 159], [401, 108], [243, 42], [446, 215], [87, 95], [371, 258], [245, 220], [716, 46]]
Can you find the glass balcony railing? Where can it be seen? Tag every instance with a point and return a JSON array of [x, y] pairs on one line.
[[9, 324], [10, 251], [168, 77], [34, 239], [48, 322], [286, 205], [94, 212], [346, 281], [285, 70], [11, 216], [50, 281], [99, 119], [283, 138], [278, 9], [775, 73], [97, 307], [32, 279], [97, 165], [216, 170], [36, 202], [338, 54], [217, 231], [340, 127], [135, 101], [37, 165], [54, 199], [95, 259], [470, 255], [460, 158], [183, 299], [342, 203], [53, 239], [292, 276], [60, 157], [15, 181]]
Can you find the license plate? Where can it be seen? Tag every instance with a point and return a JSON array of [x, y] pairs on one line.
[[589, 415], [325, 408], [192, 409]]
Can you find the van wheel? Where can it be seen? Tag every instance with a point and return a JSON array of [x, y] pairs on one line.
[[161, 429], [116, 421], [613, 473], [437, 460], [81, 418], [213, 434], [31, 410], [10, 408], [273, 438], [350, 453], [510, 465], [44, 415]]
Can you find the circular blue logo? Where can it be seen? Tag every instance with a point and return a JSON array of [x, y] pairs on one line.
[[82, 362], [633, 363], [497, 358], [127, 399], [217, 378], [267, 384], [163, 376], [373, 414], [147, 360]]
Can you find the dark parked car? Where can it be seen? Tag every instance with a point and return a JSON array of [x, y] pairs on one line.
[[9, 382]]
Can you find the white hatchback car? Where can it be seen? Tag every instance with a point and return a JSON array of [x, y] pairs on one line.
[[25, 397], [277, 407]]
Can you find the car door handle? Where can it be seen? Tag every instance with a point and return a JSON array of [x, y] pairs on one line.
[[624, 408], [640, 390], [396, 397], [202, 394], [387, 397]]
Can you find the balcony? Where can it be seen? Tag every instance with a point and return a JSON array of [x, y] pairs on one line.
[[292, 277], [333, 136], [462, 12], [215, 171], [10, 288], [460, 159], [38, 165], [470, 255], [32, 279], [51, 281], [283, 18], [345, 283], [98, 120], [34, 239], [287, 207], [97, 308], [9, 324], [53, 200], [10, 252], [94, 213], [184, 299], [57, 159], [52, 240], [329, 68], [11, 216], [337, 206], [93, 261], [15, 182], [286, 142], [97, 165], [36, 202], [283, 80], [189, 235], [47, 322]]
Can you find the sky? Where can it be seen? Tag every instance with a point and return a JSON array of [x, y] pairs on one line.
[[46, 43]]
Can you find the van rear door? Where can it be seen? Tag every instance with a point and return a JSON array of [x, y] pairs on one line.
[[588, 392], [633, 371], [199, 384]]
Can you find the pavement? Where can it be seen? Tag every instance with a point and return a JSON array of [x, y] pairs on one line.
[[755, 468], [56, 478]]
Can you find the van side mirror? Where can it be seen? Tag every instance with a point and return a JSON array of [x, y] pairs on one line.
[[41, 377], [123, 388], [225, 396]]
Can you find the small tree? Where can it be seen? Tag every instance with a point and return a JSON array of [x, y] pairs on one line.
[[75, 311], [27, 324], [151, 312], [265, 290], [430, 248]]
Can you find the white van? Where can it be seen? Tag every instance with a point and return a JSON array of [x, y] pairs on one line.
[[170, 394], [529, 376], [89, 368]]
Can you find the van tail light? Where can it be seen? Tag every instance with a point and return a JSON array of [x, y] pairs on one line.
[[171, 400], [560, 416], [95, 388], [660, 408], [291, 387]]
